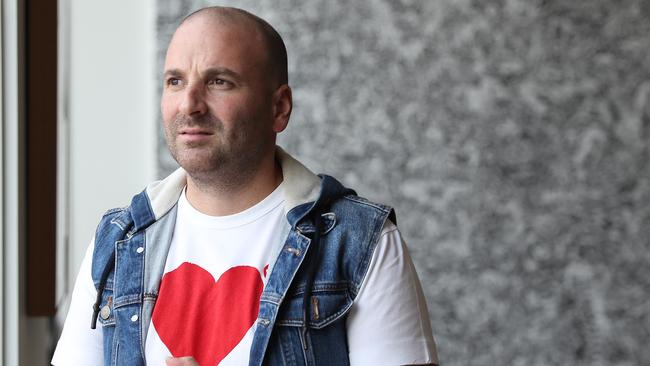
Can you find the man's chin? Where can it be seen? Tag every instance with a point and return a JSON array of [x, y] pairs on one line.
[[198, 167], [196, 161]]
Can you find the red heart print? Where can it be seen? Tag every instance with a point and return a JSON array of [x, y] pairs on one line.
[[196, 316]]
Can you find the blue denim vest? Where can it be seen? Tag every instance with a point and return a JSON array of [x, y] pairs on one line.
[[293, 327]]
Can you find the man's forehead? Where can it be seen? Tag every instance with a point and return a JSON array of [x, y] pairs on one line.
[[208, 45], [210, 32], [204, 27], [206, 37]]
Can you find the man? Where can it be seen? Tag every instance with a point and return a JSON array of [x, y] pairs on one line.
[[242, 256]]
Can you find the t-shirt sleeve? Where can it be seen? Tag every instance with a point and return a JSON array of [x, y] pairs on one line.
[[389, 323], [78, 344]]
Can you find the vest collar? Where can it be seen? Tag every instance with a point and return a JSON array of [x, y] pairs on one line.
[[301, 187]]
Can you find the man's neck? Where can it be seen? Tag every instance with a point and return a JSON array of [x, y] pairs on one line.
[[216, 199]]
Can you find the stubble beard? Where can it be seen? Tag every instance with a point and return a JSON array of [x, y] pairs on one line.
[[225, 163]]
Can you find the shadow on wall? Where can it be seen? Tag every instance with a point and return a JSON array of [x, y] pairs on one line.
[[512, 138]]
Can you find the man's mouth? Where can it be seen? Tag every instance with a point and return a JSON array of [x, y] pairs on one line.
[[194, 131], [193, 135]]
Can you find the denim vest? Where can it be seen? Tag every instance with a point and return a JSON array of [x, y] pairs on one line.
[[294, 327]]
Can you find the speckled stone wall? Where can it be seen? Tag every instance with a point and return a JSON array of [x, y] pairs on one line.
[[512, 139]]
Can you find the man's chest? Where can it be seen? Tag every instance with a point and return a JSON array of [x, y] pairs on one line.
[[208, 299]]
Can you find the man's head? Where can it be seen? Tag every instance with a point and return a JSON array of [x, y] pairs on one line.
[[276, 52], [225, 94]]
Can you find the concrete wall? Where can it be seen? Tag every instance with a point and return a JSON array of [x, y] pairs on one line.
[[512, 138]]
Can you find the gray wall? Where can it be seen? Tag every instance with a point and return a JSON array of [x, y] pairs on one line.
[[512, 139]]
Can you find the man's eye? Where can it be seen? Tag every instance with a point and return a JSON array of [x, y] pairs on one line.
[[173, 82], [220, 83]]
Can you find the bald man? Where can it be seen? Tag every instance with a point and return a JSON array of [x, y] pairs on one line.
[[242, 255]]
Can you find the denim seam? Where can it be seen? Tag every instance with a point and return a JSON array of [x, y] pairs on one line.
[[364, 265], [122, 241], [126, 300], [316, 325], [273, 299], [305, 347], [322, 287], [293, 276], [149, 296], [107, 287], [141, 306], [142, 354], [107, 322], [114, 210], [115, 351], [367, 203]]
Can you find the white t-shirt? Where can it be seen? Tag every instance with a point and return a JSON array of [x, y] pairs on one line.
[[223, 262], [215, 272]]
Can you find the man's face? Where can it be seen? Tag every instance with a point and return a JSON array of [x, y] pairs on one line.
[[217, 100]]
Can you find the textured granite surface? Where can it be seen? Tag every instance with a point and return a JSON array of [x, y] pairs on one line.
[[512, 139]]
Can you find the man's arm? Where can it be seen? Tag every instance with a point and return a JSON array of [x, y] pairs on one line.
[[80, 345], [389, 323]]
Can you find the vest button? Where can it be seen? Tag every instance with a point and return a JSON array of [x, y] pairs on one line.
[[140, 250], [105, 312], [134, 318]]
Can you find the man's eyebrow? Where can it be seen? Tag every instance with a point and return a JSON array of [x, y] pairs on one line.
[[220, 71], [172, 72]]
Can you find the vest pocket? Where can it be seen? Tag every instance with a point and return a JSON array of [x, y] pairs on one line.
[[324, 341], [328, 303]]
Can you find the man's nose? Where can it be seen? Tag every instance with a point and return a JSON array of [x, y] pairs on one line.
[[193, 100]]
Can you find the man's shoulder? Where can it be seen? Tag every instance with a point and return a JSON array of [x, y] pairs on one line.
[[360, 201], [116, 222], [349, 202], [112, 213]]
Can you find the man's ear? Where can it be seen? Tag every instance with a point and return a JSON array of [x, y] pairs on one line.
[[282, 106]]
